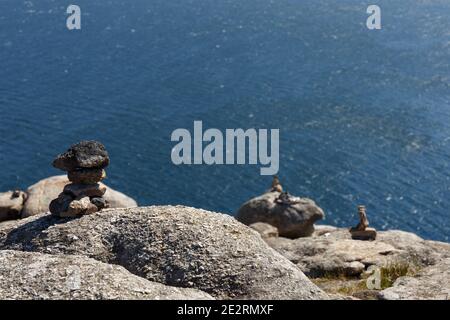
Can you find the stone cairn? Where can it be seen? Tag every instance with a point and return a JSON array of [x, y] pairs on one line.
[[84, 163], [362, 230]]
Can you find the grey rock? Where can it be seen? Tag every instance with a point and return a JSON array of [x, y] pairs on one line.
[[85, 190], [11, 204], [100, 203], [42, 193], [174, 245], [86, 176], [37, 276], [336, 253], [77, 208], [85, 154], [264, 229], [431, 283], [60, 204], [292, 220]]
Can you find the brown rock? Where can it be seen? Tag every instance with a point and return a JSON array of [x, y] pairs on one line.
[[85, 154], [85, 190], [11, 204], [42, 193], [79, 207], [367, 234], [86, 176]]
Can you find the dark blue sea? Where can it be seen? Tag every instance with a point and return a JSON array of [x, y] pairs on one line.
[[364, 115]]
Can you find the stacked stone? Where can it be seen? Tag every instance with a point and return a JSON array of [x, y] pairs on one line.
[[85, 164]]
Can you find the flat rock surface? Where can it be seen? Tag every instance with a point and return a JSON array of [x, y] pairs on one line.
[[42, 193], [431, 283], [173, 245], [31, 275], [331, 251], [292, 221]]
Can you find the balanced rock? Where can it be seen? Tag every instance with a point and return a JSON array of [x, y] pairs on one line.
[[173, 245], [86, 176], [37, 276], [43, 192], [293, 216], [362, 230], [11, 204], [84, 162], [85, 190], [77, 207], [86, 154]]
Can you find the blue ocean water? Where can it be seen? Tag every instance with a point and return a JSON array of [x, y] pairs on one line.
[[364, 116]]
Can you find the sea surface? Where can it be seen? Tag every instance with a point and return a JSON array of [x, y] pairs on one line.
[[364, 115]]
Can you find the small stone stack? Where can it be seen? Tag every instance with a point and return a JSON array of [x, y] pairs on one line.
[[84, 163], [362, 230]]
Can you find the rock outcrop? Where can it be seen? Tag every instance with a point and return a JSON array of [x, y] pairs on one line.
[[431, 283], [11, 204], [173, 245], [42, 193], [293, 217], [332, 252], [31, 275]]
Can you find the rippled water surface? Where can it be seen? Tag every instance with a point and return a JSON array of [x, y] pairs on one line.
[[363, 115]]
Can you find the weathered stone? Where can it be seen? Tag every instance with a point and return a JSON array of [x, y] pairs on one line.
[[78, 207], [42, 193], [362, 230], [60, 204], [11, 204], [178, 246], [335, 253], [100, 203], [85, 190], [86, 176], [264, 229], [431, 283], [293, 219], [37, 276], [367, 234], [86, 154]]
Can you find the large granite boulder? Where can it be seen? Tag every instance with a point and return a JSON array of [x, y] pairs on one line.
[[31, 275], [293, 218], [173, 245], [431, 283], [42, 193], [11, 205]]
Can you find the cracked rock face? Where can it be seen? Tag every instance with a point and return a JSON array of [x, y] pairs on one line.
[[31, 275], [292, 220], [174, 245]]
